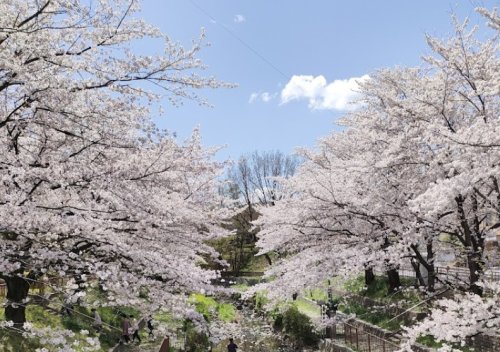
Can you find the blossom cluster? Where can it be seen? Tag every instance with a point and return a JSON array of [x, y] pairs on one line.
[[411, 181]]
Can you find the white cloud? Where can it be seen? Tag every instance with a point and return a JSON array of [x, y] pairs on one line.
[[266, 97], [253, 97], [337, 95], [239, 18]]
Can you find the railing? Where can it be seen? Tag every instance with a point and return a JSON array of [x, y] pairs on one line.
[[455, 275], [359, 339]]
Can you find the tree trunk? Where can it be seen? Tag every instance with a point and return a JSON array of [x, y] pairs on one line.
[[427, 263], [392, 274], [268, 258], [369, 276], [431, 269], [17, 291], [394, 281], [475, 271], [418, 274], [473, 243]]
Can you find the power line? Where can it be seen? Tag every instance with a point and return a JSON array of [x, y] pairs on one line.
[[238, 38], [64, 305]]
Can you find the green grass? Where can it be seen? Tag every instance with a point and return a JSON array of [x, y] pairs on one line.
[[257, 264], [307, 308], [316, 294], [226, 312], [261, 300], [240, 287], [204, 305], [372, 316], [379, 289], [429, 341], [80, 319], [211, 309], [40, 317], [376, 290], [43, 318]]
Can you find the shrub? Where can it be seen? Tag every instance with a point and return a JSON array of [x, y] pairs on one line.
[[299, 327], [196, 341], [260, 300], [226, 312]]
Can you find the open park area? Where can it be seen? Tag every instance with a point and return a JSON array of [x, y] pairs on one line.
[[249, 176]]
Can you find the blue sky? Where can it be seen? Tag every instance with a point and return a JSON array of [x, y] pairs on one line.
[[338, 40]]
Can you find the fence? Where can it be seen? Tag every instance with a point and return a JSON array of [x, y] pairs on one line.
[[453, 275], [359, 339]]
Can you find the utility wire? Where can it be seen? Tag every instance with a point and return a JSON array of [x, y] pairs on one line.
[[63, 305], [238, 38]]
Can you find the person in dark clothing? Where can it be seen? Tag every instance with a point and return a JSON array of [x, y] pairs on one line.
[[150, 325], [232, 346]]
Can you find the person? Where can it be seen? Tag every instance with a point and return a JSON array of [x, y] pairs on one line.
[[66, 306], [97, 321], [135, 329], [126, 329], [149, 320], [232, 346]]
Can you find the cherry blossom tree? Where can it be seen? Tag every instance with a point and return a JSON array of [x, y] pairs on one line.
[[454, 320], [90, 188], [415, 169]]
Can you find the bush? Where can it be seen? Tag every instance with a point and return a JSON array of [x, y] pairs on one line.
[[211, 309], [299, 326], [260, 300], [278, 322], [196, 341], [226, 312]]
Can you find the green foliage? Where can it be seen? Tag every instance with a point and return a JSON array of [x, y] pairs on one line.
[[373, 316], [308, 308], [240, 287], [278, 322], [165, 317], [204, 305], [40, 317], [316, 294], [378, 289], [355, 285], [11, 341], [226, 312], [299, 326], [210, 308], [429, 341], [80, 319], [257, 263], [196, 341], [260, 300]]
